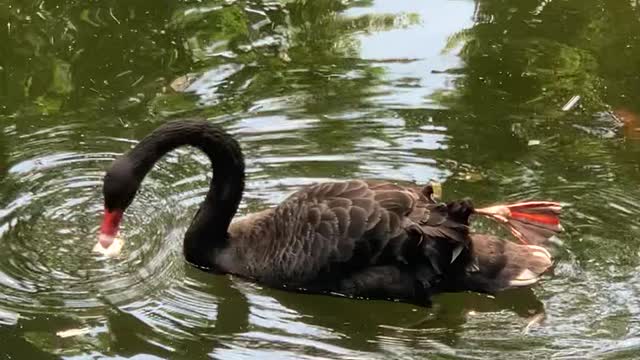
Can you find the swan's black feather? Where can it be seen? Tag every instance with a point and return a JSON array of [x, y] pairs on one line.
[[357, 238], [349, 227]]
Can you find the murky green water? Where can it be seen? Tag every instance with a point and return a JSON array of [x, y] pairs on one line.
[[469, 93]]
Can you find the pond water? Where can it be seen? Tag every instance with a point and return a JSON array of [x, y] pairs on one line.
[[475, 94]]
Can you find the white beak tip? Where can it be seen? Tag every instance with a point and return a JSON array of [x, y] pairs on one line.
[[113, 248]]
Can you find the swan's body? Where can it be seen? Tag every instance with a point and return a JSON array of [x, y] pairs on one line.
[[331, 236], [356, 238]]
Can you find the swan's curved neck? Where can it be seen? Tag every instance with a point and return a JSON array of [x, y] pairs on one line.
[[208, 230]]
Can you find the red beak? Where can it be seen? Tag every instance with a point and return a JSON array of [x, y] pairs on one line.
[[110, 226]]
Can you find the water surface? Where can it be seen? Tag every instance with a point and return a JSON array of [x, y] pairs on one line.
[[467, 93]]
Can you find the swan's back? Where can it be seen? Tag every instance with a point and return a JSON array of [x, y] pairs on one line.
[[324, 234]]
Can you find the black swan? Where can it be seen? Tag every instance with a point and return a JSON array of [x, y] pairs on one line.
[[366, 239]]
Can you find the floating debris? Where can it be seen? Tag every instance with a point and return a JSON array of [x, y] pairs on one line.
[[73, 332], [571, 103], [181, 83]]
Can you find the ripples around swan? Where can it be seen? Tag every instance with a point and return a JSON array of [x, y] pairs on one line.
[[52, 204]]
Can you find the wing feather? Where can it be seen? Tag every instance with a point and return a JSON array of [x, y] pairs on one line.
[[346, 226]]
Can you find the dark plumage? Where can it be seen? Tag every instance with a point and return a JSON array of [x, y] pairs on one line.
[[356, 238]]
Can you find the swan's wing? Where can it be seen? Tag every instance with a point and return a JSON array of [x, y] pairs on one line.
[[346, 221], [337, 227]]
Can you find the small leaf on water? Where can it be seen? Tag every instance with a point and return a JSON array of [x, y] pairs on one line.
[[571, 103], [181, 83], [73, 332]]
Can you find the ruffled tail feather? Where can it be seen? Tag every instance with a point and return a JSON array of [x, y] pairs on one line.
[[498, 265], [533, 222]]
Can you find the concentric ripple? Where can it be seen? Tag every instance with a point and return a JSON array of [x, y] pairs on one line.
[[49, 220]]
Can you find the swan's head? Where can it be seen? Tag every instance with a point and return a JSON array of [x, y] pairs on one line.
[[119, 188]]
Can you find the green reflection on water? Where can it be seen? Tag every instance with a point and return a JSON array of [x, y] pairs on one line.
[[469, 93]]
